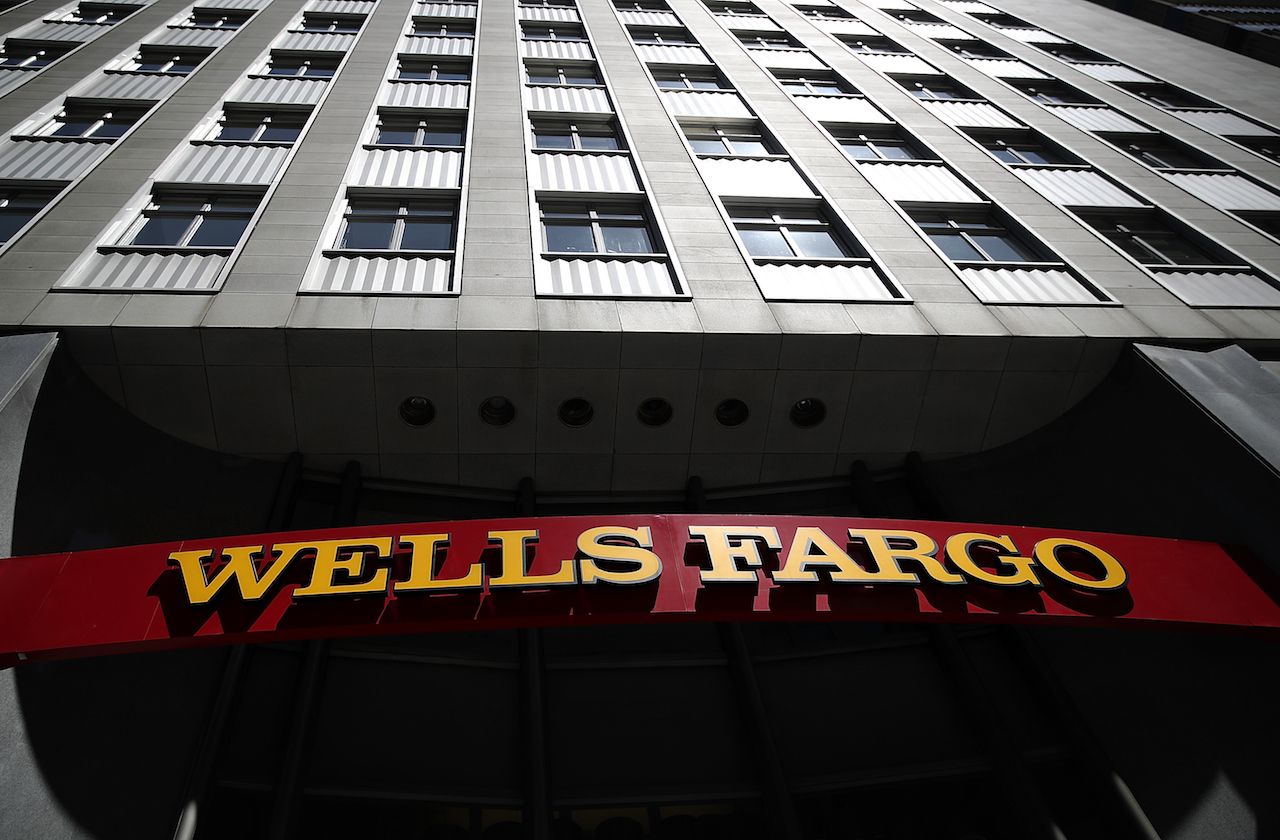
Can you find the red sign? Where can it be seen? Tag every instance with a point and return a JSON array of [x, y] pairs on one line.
[[590, 570]]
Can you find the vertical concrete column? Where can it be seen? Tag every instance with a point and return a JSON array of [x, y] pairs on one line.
[[23, 361]]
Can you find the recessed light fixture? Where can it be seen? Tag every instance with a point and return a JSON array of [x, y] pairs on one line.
[[807, 412], [655, 411], [576, 412], [417, 411], [732, 412], [497, 411]]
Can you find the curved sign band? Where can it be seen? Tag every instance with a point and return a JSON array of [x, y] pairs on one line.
[[503, 573]]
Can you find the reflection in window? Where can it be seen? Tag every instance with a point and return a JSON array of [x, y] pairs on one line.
[[18, 207], [158, 61], [30, 57], [587, 136], [311, 68], [727, 140], [425, 132], [668, 79], [860, 146], [87, 122], [596, 229], [569, 75], [193, 220], [417, 70], [789, 232], [372, 224], [975, 238], [260, 127], [1152, 240]]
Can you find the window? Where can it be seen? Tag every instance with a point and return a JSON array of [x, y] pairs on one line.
[[669, 79], [976, 49], [867, 44], [30, 57], [201, 19], [1012, 148], [259, 127], [1268, 222], [1167, 96], [430, 132], [663, 36], [190, 220], [17, 207], [420, 70], [322, 23], [373, 224], [1053, 93], [549, 4], [936, 91], [879, 146], [158, 61], [728, 140], [98, 123], [641, 6], [318, 67], [443, 29], [589, 136], [1073, 53], [550, 75], [549, 32], [1164, 153], [1153, 241], [825, 12], [596, 229], [789, 232], [96, 13], [721, 8], [1268, 147], [813, 82], [975, 238], [767, 40]]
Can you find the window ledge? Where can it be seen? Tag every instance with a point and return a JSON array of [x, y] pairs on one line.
[[1193, 170], [1042, 265], [592, 255], [429, 82], [291, 78], [815, 261], [957, 101], [372, 253], [734, 156], [101, 141], [1166, 267], [147, 73], [1079, 167], [165, 250], [269, 144], [401, 147], [910, 161], [608, 152], [577, 87]]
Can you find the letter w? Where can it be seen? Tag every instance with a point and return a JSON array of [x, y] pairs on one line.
[[239, 567]]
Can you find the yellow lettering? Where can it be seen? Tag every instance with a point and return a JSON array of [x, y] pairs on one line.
[[726, 546], [888, 551], [513, 571], [592, 543], [1046, 554], [800, 564], [960, 546], [239, 566], [328, 563], [422, 566]]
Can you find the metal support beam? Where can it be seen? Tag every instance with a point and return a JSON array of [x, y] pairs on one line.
[[200, 778], [315, 656]]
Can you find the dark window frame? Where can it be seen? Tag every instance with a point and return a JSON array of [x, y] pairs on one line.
[[598, 217], [399, 211]]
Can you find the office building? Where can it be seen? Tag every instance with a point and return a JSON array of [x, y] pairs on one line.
[[276, 265]]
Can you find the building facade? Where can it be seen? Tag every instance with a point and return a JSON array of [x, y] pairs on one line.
[[273, 265]]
